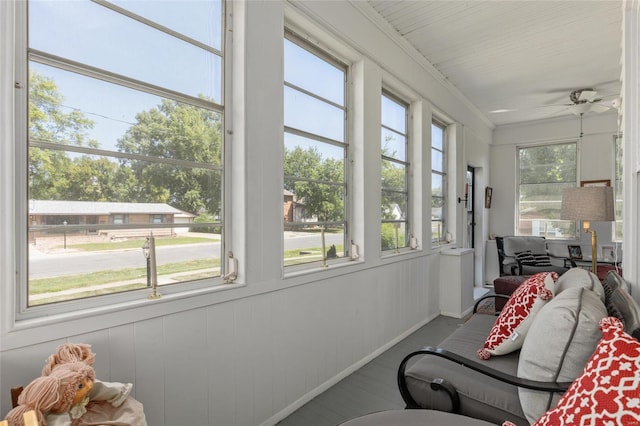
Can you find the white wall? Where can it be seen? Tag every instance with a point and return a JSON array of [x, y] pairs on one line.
[[256, 351]]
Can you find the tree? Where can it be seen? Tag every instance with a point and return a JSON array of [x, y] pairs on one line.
[[544, 172], [394, 181], [317, 182], [49, 169], [176, 131], [48, 122]]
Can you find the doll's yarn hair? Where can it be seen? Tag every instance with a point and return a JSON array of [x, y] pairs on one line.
[[69, 352], [53, 393]]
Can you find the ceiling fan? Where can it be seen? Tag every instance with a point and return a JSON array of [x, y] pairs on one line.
[[581, 101], [585, 100]]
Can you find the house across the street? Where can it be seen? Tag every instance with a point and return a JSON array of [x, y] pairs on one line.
[[46, 213]]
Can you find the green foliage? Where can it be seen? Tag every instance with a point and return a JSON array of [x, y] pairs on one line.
[[388, 237], [548, 164], [181, 131], [49, 169], [171, 130], [317, 182], [206, 218], [48, 122]]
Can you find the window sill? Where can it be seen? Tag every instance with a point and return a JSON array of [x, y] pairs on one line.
[[41, 326]]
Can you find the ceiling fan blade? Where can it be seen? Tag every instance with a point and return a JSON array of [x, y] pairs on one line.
[[502, 110], [597, 108], [587, 95]]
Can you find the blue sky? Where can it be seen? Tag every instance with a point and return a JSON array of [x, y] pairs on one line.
[[94, 35]]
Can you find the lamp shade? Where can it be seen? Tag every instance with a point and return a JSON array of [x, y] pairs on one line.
[[592, 203]]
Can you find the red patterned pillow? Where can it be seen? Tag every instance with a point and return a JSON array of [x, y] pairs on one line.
[[511, 326], [608, 391]]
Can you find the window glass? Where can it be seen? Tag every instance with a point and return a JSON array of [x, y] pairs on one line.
[[315, 149], [544, 172], [302, 69], [125, 143], [438, 183], [199, 20], [328, 119], [395, 174], [619, 188], [96, 36]]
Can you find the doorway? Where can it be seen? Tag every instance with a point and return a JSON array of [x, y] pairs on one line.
[[470, 206]]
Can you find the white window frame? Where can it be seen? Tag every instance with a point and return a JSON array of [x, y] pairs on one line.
[[618, 185], [407, 164], [518, 183], [443, 174], [306, 42], [71, 309]]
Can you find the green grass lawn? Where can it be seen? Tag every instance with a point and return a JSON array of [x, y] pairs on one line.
[[135, 278], [50, 285], [137, 243], [306, 255]]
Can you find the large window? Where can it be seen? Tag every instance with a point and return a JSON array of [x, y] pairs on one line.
[[543, 172], [618, 186], [315, 152], [395, 174], [438, 182], [124, 141]]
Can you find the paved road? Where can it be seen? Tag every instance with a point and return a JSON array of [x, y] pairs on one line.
[[42, 265]]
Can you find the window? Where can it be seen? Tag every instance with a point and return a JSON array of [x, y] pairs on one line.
[[438, 182], [544, 171], [395, 174], [315, 152], [124, 128], [119, 219], [618, 187]]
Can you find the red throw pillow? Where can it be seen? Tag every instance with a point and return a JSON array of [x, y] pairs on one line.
[[511, 326], [608, 391]]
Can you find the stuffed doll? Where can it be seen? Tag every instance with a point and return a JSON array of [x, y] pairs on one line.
[[65, 389], [69, 352], [108, 402]]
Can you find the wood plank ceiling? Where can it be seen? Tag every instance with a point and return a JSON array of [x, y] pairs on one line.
[[520, 55]]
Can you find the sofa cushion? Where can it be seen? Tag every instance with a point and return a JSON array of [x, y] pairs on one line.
[[533, 259], [510, 328], [629, 311], [615, 280], [525, 257], [541, 260], [481, 396], [561, 339], [609, 384], [609, 287], [578, 277], [513, 245]]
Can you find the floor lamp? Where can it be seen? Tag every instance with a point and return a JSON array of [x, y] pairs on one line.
[[588, 204]]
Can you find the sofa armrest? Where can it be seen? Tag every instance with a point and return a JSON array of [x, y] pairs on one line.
[[489, 296], [457, 360]]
